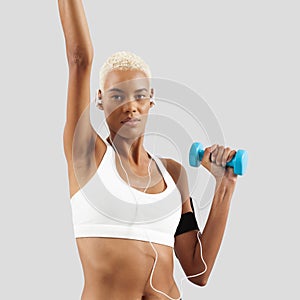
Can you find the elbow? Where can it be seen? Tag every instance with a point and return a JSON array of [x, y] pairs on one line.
[[199, 281], [202, 282], [79, 58]]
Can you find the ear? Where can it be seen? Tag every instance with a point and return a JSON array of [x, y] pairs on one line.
[[151, 96], [99, 100], [151, 92]]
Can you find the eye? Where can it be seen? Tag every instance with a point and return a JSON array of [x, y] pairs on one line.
[[116, 97], [140, 97]]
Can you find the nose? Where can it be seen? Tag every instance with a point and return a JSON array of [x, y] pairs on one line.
[[129, 106]]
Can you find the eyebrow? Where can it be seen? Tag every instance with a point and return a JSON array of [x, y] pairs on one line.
[[140, 90], [121, 91]]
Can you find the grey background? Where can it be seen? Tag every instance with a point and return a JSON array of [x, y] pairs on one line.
[[242, 57]]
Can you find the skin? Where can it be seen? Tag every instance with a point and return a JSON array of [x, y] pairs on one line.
[[109, 271]]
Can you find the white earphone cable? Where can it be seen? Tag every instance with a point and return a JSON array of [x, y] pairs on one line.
[[156, 253]]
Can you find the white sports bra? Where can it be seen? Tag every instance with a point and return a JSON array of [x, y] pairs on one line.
[[105, 206]]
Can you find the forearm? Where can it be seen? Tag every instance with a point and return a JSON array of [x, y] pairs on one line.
[[213, 231], [77, 37]]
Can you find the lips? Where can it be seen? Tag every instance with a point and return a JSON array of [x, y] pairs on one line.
[[130, 120]]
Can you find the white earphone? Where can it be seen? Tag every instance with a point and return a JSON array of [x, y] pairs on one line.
[[152, 100]]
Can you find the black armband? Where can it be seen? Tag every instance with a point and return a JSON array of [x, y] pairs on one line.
[[187, 222]]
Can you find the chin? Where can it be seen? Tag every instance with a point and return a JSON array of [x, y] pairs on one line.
[[130, 133]]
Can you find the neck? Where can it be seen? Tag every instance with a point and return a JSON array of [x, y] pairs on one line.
[[132, 150]]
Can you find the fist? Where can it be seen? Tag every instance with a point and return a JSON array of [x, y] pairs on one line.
[[215, 159]]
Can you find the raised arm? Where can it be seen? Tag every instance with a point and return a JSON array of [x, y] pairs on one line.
[[77, 37], [187, 248], [79, 136]]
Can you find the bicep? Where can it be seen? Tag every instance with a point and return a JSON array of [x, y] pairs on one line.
[[78, 132], [187, 230], [186, 238], [184, 249]]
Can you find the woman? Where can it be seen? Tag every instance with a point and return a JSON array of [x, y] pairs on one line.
[[117, 259]]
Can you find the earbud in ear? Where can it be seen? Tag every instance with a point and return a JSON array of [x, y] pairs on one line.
[[98, 100], [152, 100]]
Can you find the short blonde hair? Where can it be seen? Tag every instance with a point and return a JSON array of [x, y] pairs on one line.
[[122, 60]]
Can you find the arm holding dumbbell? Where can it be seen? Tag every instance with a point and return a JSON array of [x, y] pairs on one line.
[[214, 160]]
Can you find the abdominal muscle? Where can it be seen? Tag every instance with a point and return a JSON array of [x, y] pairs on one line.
[[119, 269]]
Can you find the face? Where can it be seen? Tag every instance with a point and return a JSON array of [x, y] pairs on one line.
[[126, 95]]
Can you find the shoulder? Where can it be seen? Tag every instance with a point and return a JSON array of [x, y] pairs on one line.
[[175, 168], [179, 175]]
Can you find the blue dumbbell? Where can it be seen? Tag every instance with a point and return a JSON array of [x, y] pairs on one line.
[[238, 162]]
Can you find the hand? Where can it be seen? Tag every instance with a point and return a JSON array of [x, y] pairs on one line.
[[215, 159]]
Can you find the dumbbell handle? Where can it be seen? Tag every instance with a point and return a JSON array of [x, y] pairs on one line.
[[238, 162]]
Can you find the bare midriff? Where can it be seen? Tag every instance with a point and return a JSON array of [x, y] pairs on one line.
[[120, 269]]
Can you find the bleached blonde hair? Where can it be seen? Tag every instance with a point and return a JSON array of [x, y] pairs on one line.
[[123, 60]]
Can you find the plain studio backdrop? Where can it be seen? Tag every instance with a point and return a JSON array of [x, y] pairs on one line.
[[241, 57]]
